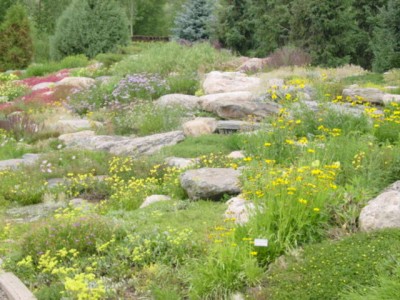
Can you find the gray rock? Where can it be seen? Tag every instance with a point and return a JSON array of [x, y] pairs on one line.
[[230, 126], [242, 110], [180, 163], [383, 211], [154, 199], [121, 145], [27, 159], [76, 82], [42, 85], [207, 100], [80, 203], [236, 155], [199, 126], [179, 100], [387, 98], [371, 95], [224, 82], [239, 209], [31, 213], [253, 65], [210, 183]]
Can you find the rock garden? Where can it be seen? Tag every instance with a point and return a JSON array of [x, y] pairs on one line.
[[156, 176]]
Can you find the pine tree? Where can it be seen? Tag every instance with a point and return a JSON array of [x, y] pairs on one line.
[[90, 27], [4, 6], [192, 23], [386, 40], [16, 46]]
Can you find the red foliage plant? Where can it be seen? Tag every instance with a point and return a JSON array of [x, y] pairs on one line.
[[32, 81]]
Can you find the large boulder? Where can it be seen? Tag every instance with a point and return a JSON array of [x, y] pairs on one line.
[[253, 65], [76, 82], [199, 126], [179, 100], [224, 82], [240, 96], [239, 209], [371, 95], [121, 145], [210, 183], [383, 211], [241, 110]]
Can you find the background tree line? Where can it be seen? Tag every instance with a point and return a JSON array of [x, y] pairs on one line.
[[362, 32]]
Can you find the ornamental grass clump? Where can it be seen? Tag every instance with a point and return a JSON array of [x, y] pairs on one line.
[[292, 203]]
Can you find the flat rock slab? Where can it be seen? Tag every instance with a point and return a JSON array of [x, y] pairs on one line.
[[224, 82], [27, 159], [210, 183], [230, 126], [121, 145], [242, 110], [382, 211], [31, 213], [371, 95], [13, 287]]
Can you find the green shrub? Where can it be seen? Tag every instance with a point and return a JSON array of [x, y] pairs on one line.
[[324, 271], [10, 90], [73, 61], [16, 46], [21, 188], [146, 118], [385, 43], [332, 26], [70, 229], [167, 58], [108, 59], [89, 28]]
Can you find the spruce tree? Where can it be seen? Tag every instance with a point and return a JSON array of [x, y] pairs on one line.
[[16, 46], [236, 25], [192, 23], [386, 40], [325, 29], [90, 27]]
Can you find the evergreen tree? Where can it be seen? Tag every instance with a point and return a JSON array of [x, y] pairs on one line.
[[90, 27], [386, 40], [272, 25], [236, 25], [325, 29], [193, 22], [366, 14], [16, 46], [4, 6]]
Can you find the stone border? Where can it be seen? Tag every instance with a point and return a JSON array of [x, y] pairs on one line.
[[14, 288]]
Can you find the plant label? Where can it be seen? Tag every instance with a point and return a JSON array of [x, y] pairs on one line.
[[261, 242]]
